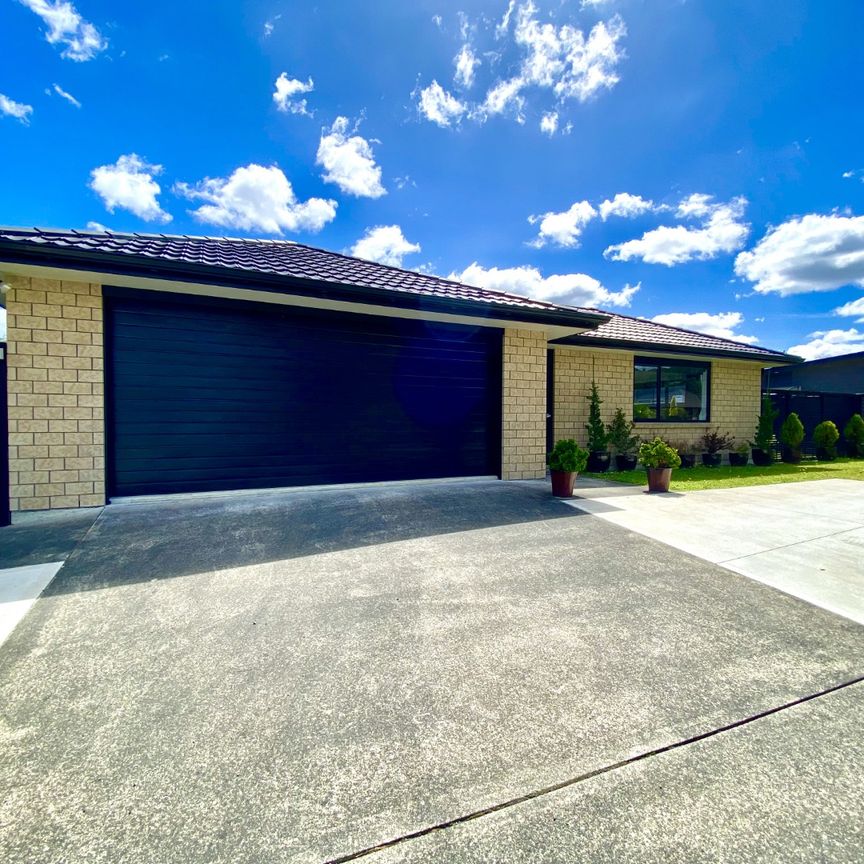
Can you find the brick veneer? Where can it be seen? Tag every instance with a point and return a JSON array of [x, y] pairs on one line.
[[56, 394], [523, 415], [735, 394]]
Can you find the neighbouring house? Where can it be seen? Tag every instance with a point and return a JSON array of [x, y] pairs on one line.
[[153, 364], [843, 374]]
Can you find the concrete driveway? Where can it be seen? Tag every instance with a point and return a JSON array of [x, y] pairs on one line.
[[440, 672]]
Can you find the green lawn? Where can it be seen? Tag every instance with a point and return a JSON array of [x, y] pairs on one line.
[[692, 479]]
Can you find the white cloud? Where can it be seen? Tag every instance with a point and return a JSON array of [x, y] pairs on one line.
[[576, 289], [349, 162], [501, 97], [502, 28], [81, 39], [97, 227], [466, 62], [720, 324], [829, 343], [257, 198], [129, 184], [852, 309], [438, 21], [286, 89], [625, 205], [67, 96], [439, 106], [809, 253], [18, 110], [721, 231], [594, 4], [563, 229], [385, 244], [270, 26], [549, 123]]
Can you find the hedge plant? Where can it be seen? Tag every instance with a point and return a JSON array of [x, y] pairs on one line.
[[853, 432], [825, 437], [792, 436]]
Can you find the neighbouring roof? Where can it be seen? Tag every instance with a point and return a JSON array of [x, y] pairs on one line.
[[281, 264], [624, 331]]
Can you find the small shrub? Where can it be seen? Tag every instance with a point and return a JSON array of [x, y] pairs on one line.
[[567, 455], [792, 436], [825, 437], [597, 437], [620, 434], [713, 441], [658, 454], [853, 432], [765, 426]]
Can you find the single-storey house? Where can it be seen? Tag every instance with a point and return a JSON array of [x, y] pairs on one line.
[[152, 364]]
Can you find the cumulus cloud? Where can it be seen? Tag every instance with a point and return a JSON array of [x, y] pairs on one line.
[[853, 309], [385, 244], [805, 254], [349, 162], [96, 227], [722, 230], [625, 205], [439, 106], [287, 89], [256, 198], [565, 228], [129, 184], [466, 62], [721, 324], [81, 40], [18, 110], [549, 123], [67, 96], [829, 343], [577, 289]]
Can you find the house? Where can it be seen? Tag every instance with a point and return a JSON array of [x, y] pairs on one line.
[[152, 364], [844, 374]]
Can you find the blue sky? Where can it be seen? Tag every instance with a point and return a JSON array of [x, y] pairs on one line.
[[691, 159]]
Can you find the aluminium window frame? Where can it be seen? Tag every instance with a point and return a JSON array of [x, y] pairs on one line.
[[668, 361]]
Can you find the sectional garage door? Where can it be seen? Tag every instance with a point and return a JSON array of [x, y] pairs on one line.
[[207, 395]]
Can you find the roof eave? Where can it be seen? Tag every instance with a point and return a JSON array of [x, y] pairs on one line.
[[14, 252]]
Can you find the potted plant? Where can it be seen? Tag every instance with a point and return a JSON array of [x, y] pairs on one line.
[[762, 440], [739, 456], [792, 436], [713, 441], [565, 461], [853, 432], [686, 452], [598, 439], [621, 437], [659, 459], [825, 437]]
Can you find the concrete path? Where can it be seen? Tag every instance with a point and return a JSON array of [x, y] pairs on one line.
[[806, 539], [307, 677]]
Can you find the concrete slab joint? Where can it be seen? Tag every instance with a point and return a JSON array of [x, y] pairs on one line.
[[56, 394]]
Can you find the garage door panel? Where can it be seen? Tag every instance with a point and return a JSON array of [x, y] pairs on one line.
[[236, 395]]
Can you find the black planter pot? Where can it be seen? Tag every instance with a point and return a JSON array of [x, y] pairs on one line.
[[762, 458], [625, 461], [793, 457], [598, 461], [825, 455], [711, 460], [738, 460], [688, 460]]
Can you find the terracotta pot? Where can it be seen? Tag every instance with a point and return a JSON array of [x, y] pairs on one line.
[[562, 483], [658, 479], [762, 458]]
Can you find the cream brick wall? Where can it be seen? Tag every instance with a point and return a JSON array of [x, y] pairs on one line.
[[56, 394], [523, 414], [735, 395]]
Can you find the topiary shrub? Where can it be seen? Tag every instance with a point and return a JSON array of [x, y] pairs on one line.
[[825, 437], [764, 436], [620, 434], [792, 436], [853, 432], [598, 439], [567, 456], [658, 454]]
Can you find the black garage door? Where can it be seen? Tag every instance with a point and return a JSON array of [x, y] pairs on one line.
[[207, 395]]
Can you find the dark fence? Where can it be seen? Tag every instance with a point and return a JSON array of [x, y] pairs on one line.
[[813, 408], [5, 516]]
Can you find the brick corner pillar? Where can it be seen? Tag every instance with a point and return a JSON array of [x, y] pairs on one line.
[[523, 410]]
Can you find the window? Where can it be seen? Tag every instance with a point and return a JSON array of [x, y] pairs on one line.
[[670, 391]]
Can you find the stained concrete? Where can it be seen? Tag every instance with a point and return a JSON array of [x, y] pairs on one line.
[[302, 677], [786, 788], [803, 538]]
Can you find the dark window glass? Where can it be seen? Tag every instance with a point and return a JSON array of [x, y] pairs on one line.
[[670, 392]]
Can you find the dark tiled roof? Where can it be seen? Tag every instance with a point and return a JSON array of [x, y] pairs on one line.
[[280, 258], [624, 330]]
